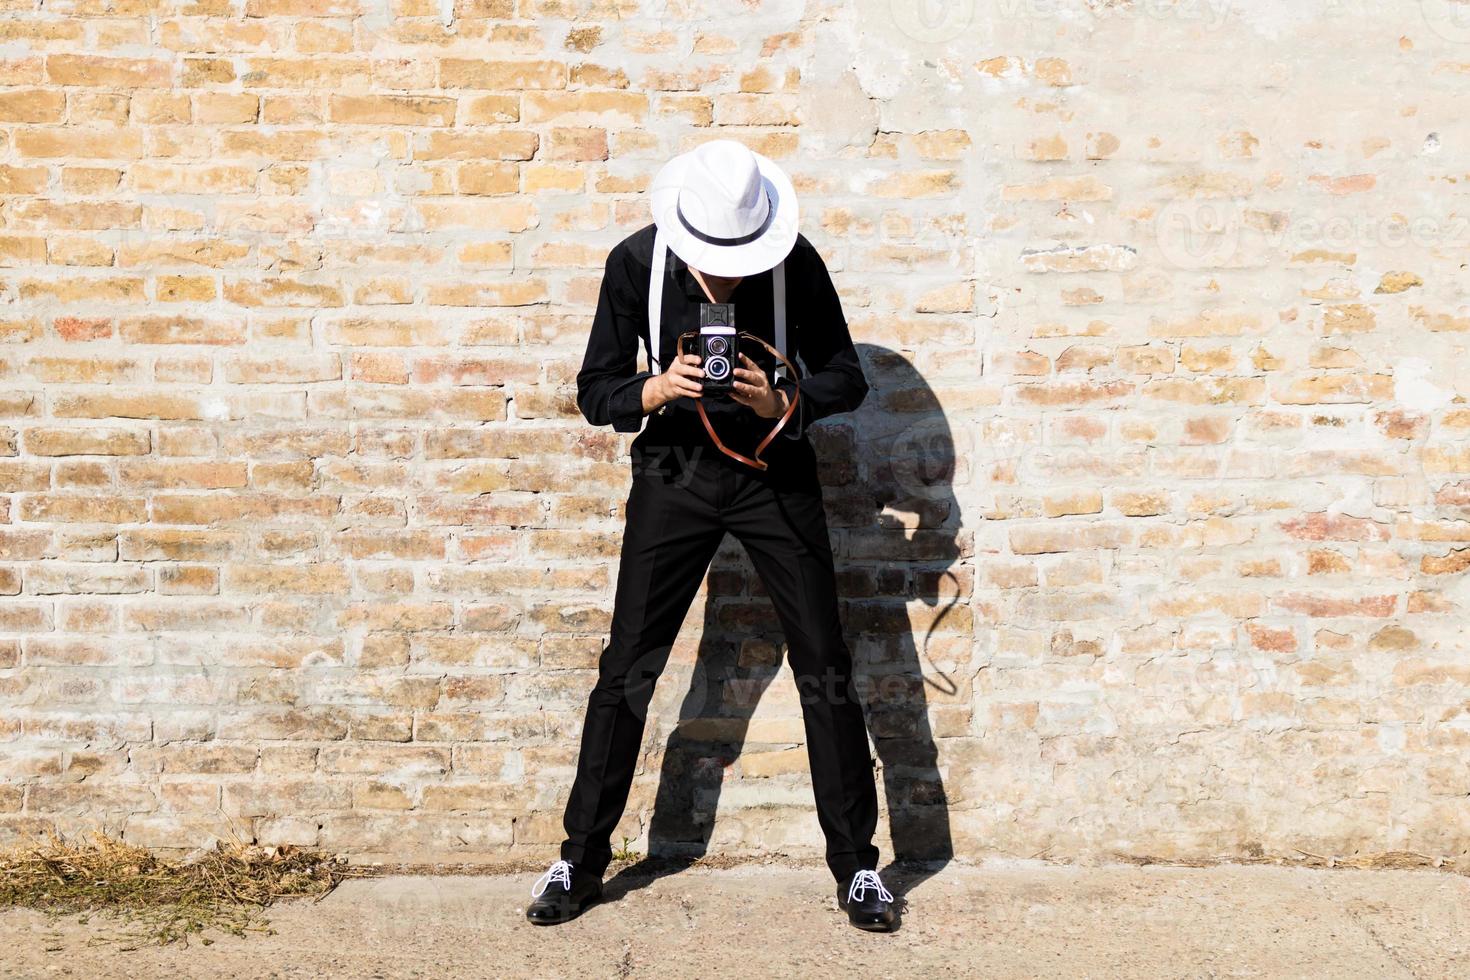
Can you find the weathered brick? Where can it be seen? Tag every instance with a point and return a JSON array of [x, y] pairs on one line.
[[300, 521], [571, 108], [80, 142], [107, 72], [394, 110], [315, 579], [32, 106], [84, 508], [476, 73], [283, 370], [140, 405]]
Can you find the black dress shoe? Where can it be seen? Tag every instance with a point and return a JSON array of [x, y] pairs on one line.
[[869, 905], [562, 893]]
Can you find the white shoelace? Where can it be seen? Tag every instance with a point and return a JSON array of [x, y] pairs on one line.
[[864, 880], [560, 871]]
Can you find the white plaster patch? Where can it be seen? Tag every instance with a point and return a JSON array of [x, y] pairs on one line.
[[1457, 591], [1273, 19], [1356, 500], [1391, 738], [1413, 389]]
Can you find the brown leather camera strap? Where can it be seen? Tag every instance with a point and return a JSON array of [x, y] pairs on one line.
[[757, 462]]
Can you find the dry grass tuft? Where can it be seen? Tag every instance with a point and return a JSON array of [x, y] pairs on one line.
[[227, 887]]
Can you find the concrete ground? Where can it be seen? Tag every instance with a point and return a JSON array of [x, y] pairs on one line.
[[995, 920]]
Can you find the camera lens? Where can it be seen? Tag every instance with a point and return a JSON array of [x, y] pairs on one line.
[[717, 367], [717, 345]]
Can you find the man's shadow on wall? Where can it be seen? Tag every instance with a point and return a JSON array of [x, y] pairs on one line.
[[889, 473]]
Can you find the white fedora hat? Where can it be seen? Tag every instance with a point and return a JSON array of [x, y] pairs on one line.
[[725, 209]]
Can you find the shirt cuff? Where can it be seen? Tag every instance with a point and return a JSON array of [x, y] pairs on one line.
[[625, 403], [796, 426]]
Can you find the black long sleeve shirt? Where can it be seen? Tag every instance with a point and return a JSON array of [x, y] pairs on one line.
[[610, 386]]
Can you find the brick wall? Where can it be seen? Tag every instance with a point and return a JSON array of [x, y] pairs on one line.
[[1154, 530]]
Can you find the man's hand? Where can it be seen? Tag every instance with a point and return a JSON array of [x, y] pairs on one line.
[[753, 389], [681, 378]]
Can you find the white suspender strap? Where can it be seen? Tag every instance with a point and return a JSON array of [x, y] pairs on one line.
[[778, 297], [656, 300]]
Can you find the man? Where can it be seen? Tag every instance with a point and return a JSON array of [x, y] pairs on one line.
[[728, 218]]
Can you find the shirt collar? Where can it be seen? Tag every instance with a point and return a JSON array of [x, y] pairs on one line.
[[692, 289]]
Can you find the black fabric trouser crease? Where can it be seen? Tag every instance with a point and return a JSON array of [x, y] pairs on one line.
[[682, 502]]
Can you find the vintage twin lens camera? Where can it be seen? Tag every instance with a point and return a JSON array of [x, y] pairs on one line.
[[718, 352]]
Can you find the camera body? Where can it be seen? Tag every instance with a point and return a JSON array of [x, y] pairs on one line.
[[718, 348]]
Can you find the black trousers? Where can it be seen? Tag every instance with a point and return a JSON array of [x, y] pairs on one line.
[[681, 503]]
